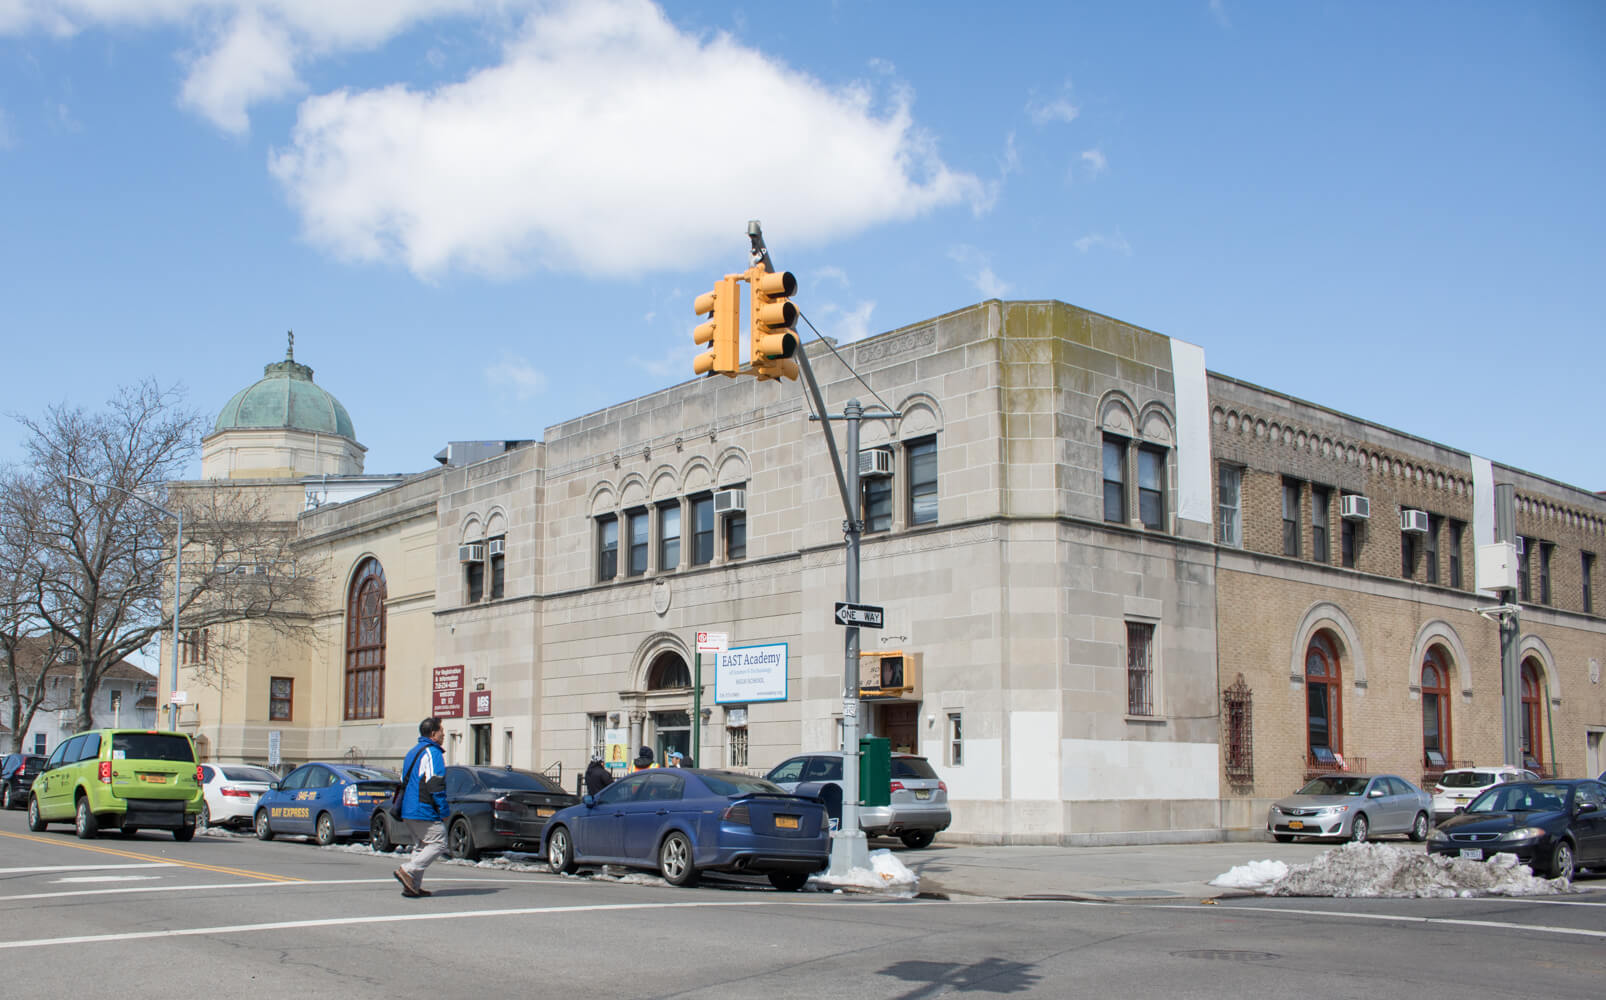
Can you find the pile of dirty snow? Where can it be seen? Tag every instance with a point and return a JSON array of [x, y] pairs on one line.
[[1375, 870], [512, 861], [886, 875]]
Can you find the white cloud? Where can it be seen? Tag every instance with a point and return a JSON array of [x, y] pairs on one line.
[[591, 148], [978, 270], [1058, 109], [515, 374], [1218, 10], [1096, 163], [1115, 242], [253, 60], [843, 324], [829, 272]]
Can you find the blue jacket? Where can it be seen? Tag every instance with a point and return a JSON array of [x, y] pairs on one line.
[[420, 801]]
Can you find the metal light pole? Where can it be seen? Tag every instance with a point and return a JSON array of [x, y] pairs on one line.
[[178, 570]]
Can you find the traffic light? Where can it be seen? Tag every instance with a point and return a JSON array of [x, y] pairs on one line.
[[773, 318], [722, 332]]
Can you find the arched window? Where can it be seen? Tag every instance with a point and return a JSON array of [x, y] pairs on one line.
[[1324, 717], [1532, 751], [1435, 709], [668, 672], [365, 642]]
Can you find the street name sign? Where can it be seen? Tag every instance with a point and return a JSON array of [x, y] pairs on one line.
[[864, 615]]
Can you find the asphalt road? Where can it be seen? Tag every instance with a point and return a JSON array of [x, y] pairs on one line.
[[149, 917]]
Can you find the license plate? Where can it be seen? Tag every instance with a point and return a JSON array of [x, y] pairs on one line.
[[787, 823], [922, 793], [1295, 824], [544, 812], [154, 779], [1471, 853]]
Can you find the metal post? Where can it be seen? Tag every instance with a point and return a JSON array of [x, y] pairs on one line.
[[696, 708], [849, 846], [1505, 530], [178, 571]]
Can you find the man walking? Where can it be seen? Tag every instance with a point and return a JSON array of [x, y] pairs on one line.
[[424, 807]]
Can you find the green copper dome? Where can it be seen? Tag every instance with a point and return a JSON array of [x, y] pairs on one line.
[[286, 397]]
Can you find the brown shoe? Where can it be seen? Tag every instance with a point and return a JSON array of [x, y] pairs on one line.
[[407, 882]]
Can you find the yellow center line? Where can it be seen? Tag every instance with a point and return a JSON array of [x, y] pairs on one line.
[[241, 872]]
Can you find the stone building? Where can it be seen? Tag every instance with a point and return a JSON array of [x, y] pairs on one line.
[[1075, 532]]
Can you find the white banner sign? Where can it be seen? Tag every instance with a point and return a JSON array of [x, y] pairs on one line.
[[750, 673], [273, 747]]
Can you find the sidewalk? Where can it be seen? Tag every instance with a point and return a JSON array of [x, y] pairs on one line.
[[1152, 871]]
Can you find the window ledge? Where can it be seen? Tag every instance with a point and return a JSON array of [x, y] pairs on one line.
[[1152, 720]]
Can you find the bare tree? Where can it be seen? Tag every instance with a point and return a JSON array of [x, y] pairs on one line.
[[106, 551], [27, 646]]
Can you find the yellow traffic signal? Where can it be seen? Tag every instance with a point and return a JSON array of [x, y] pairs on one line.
[[773, 317], [722, 331]]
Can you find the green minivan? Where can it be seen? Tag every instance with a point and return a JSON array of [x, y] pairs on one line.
[[124, 779]]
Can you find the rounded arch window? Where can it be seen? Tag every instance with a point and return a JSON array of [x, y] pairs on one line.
[[667, 673], [365, 642], [1324, 723], [1435, 709]]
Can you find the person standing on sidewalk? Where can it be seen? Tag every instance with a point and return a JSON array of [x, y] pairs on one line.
[[424, 807]]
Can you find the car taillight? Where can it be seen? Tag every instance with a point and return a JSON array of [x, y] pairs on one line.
[[942, 786], [501, 804], [240, 793], [106, 771], [200, 776], [737, 814], [897, 786], [349, 796]]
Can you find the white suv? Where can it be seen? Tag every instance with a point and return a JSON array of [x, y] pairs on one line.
[[1457, 787], [919, 807]]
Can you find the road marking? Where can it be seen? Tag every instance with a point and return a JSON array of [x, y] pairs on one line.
[[253, 885], [107, 878], [241, 872], [396, 918], [1508, 925], [37, 869]]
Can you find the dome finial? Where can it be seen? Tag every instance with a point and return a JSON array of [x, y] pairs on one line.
[[290, 352]]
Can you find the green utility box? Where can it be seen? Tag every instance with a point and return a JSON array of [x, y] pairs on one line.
[[875, 771]]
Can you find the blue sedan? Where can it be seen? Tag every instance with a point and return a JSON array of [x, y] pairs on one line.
[[684, 821], [325, 799]]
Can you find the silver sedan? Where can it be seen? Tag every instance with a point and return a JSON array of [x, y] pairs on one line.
[[1352, 807]]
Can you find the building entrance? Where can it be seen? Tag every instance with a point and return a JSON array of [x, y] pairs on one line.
[[673, 732], [899, 723]]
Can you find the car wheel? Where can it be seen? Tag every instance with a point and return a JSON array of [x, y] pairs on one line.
[[560, 851], [916, 839], [1419, 828], [674, 861], [184, 833], [1358, 829], [324, 830], [1561, 861], [379, 833], [36, 822], [264, 831], [460, 841], [206, 815], [84, 823], [788, 881], [1283, 838], [9, 800]]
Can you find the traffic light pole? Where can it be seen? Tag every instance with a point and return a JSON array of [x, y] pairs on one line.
[[1505, 530]]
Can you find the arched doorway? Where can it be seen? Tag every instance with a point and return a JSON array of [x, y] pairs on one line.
[[671, 717], [1436, 753], [1533, 755], [1324, 708]]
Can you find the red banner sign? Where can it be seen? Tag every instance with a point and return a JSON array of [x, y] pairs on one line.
[[479, 704], [447, 702]]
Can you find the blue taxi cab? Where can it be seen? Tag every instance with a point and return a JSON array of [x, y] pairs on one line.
[[327, 800]]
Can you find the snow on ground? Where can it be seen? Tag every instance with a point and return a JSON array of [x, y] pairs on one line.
[[886, 874], [1371, 870]]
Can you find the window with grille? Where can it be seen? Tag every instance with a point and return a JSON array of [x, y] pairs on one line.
[[1139, 668], [599, 735], [1238, 715], [736, 747]]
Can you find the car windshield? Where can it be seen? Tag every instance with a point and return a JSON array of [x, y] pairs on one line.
[[1521, 798], [516, 781], [152, 746], [1467, 779], [369, 774], [734, 783], [248, 774], [1334, 785], [912, 767]]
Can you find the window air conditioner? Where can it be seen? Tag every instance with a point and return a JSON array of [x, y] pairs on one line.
[[730, 501], [471, 553], [1354, 506], [496, 547], [1415, 521], [875, 462]]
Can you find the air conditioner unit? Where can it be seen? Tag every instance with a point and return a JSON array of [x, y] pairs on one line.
[[1415, 521], [730, 501], [471, 553], [1354, 506], [496, 547], [875, 462]]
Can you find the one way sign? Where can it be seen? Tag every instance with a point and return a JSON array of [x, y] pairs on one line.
[[867, 615]]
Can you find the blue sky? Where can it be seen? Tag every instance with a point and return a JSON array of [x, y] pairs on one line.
[[482, 217]]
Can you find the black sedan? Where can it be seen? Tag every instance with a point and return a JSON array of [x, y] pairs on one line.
[[492, 809], [17, 772], [1553, 827]]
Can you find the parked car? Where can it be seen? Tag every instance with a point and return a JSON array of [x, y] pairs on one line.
[[919, 807], [1459, 786], [682, 822], [17, 771], [492, 809], [1554, 827], [330, 800], [1351, 807], [126, 779], [231, 792]]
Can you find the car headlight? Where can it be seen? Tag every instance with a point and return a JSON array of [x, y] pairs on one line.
[[1524, 833], [1334, 811], [1438, 836]]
